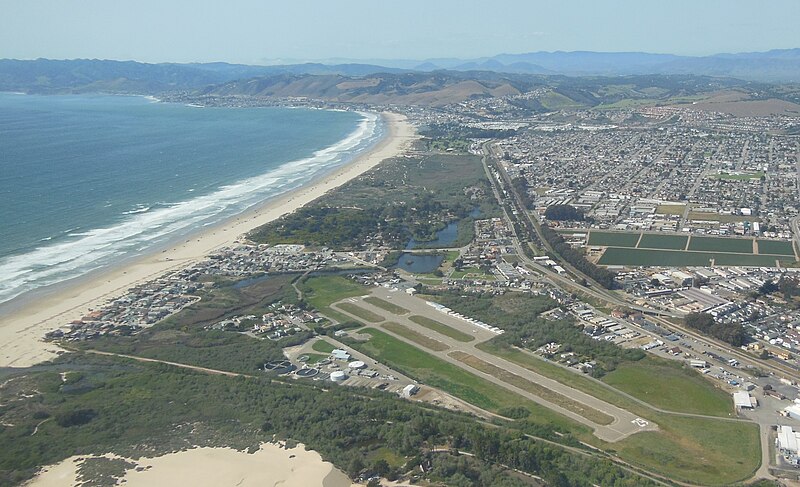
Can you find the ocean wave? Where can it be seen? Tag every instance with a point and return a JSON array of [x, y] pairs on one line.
[[150, 225]]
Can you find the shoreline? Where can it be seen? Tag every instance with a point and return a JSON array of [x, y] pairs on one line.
[[22, 330]]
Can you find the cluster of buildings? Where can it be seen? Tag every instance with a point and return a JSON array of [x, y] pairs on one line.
[[281, 320]]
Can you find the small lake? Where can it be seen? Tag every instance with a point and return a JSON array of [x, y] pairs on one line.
[[419, 263], [444, 237]]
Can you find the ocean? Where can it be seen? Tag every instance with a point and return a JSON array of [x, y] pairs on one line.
[[87, 181]]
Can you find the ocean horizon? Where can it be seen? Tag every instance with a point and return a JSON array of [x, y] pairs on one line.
[[88, 181]]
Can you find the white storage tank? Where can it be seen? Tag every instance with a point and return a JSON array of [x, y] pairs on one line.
[[338, 376], [357, 365]]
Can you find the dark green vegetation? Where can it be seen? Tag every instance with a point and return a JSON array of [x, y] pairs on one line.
[[386, 305], [563, 213], [441, 328], [518, 315], [603, 276], [778, 247], [671, 386], [666, 241], [613, 239], [151, 408], [543, 392], [652, 257], [400, 199], [668, 250], [719, 244], [732, 333], [415, 336]]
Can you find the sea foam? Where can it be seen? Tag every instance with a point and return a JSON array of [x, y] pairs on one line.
[[147, 227]]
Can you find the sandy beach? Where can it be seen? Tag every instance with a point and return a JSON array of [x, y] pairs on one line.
[[22, 330], [271, 465]]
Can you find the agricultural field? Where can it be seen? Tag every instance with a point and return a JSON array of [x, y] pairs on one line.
[[613, 239], [670, 209], [777, 247], [663, 241], [664, 249], [676, 258], [721, 244]]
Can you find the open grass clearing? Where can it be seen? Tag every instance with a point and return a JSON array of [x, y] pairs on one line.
[[322, 291], [454, 380], [362, 313], [549, 395], [670, 386], [670, 209], [322, 346], [441, 328], [696, 450], [414, 336], [716, 217], [386, 305]]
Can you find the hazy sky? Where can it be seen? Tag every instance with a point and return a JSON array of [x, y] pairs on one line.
[[253, 31]]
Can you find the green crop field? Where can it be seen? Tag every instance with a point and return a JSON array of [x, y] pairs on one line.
[[441, 328], [670, 386], [452, 379], [414, 336], [779, 247], [653, 257], [386, 305], [613, 239], [663, 241], [362, 313], [722, 244]]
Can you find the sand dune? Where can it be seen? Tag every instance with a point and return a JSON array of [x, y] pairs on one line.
[[270, 466]]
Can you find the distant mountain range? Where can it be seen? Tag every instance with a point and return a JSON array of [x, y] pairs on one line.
[[433, 82], [780, 65]]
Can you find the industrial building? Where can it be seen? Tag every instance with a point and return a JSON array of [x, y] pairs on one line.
[[788, 442], [743, 400]]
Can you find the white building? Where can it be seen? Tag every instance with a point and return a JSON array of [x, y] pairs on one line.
[[743, 400]]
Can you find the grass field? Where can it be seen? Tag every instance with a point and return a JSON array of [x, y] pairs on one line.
[[665, 241], [670, 209], [670, 386], [386, 305], [323, 346], [322, 291], [651, 257], [721, 244], [522, 383], [779, 247], [441, 328], [696, 450], [613, 239], [313, 358], [362, 313], [415, 336], [452, 379]]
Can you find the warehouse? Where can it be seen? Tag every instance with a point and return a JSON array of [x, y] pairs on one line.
[[743, 400]]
